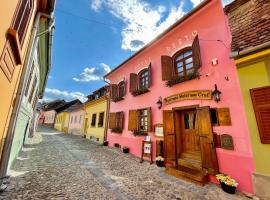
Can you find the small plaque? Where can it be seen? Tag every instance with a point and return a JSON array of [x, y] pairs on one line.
[[224, 116], [226, 142], [159, 130]]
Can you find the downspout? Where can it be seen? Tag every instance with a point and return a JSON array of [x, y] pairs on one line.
[[107, 114], [19, 97]]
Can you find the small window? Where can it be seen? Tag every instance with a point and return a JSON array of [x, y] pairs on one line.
[[71, 119], [183, 63], [75, 121], [144, 79], [101, 119], [80, 120], [190, 120], [143, 120], [214, 116], [93, 122], [121, 89]]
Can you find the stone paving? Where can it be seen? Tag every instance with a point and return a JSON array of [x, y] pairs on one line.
[[61, 166]]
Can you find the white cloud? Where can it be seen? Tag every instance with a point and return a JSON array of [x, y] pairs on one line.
[[93, 73], [49, 77], [196, 2], [225, 2], [142, 21], [56, 94]]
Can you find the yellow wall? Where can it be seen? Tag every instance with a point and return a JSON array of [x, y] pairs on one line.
[[9, 88], [254, 74], [61, 122], [96, 106]]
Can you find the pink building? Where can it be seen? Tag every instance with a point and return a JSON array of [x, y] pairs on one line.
[[76, 118], [165, 90]]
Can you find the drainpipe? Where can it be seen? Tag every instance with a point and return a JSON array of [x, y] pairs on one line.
[[20, 92], [107, 114]]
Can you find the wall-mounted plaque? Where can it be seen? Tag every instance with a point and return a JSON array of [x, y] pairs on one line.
[[159, 130], [189, 95], [224, 116], [226, 142]]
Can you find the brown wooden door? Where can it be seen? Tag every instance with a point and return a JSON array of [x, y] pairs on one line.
[[207, 148], [169, 136]]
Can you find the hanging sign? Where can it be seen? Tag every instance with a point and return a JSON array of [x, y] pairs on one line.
[[189, 95]]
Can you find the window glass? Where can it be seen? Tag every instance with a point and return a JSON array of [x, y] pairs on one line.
[[183, 63], [121, 89], [93, 122], [143, 120], [101, 119], [189, 120], [144, 79]]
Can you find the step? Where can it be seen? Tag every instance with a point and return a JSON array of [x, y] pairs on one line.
[[189, 174], [192, 163]]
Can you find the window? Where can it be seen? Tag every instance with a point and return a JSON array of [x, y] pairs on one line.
[[121, 89], [80, 120], [93, 122], [143, 120], [183, 63], [117, 92], [75, 120], [71, 119], [144, 79], [101, 119], [190, 120], [140, 120], [116, 122]]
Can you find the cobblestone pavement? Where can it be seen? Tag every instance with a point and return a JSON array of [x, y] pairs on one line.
[[61, 166]]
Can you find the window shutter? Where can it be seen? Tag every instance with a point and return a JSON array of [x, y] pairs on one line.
[[149, 119], [149, 75], [132, 121], [261, 104], [167, 69], [121, 118], [112, 122], [133, 82], [196, 52], [114, 91]]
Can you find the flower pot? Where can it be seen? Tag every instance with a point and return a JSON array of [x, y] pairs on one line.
[[160, 163], [125, 150], [227, 188], [105, 143]]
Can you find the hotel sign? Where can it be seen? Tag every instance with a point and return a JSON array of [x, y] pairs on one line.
[[189, 95]]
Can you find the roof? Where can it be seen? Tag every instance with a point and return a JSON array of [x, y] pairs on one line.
[[249, 22], [74, 107], [67, 105], [177, 23], [53, 104]]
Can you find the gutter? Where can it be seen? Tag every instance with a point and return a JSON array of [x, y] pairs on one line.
[[236, 54], [20, 92], [107, 113]]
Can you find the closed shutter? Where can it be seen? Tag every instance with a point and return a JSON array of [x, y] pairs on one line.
[[196, 52], [133, 82], [121, 120], [169, 136], [149, 75], [204, 131], [112, 121], [114, 92], [261, 104], [167, 69], [149, 119], [132, 120]]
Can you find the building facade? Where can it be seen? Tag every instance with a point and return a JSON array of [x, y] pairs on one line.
[[76, 119], [182, 90], [96, 109], [249, 22]]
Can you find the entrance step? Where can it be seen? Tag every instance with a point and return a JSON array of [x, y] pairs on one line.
[[192, 175], [191, 163]]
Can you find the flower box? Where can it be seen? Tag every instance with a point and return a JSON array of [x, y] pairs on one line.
[[180, 79], [116, 130], [116, 99], [140, 133], [140, 91]]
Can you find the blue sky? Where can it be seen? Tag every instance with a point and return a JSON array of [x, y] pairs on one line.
[[94, 36]]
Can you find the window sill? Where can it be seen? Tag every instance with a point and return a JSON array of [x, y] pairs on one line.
[[181, 79], [117, 130], [118, 99], [140, 92], [140, 133]]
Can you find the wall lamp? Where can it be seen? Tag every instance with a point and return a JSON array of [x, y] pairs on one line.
[[216, 94], [159, 103]]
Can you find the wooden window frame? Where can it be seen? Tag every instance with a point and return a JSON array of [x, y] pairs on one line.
[[101, 121], [93, 120], [145, 117], [145, 78], [121, 85]]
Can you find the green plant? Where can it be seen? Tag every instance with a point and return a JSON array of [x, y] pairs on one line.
[[117, 130], [140, 91], [227, 180], [179, 79], [116, 99]]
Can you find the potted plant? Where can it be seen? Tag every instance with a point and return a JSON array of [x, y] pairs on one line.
[[228, 184], [160, 161], [125, 150], [105, 143]]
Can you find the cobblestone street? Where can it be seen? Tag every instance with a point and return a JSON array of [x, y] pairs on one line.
[[59, 166]]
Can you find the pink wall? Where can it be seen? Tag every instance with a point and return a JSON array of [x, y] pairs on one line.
[[211, 25], [49, 117], [76, 127]]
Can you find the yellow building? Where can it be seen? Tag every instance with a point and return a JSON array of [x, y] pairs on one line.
[[61, 121], [251, 52], [95, 122]]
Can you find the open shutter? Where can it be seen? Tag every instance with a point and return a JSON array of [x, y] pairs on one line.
[[167, 69], [261, 104], [133, 82], [149, 75], [121, 120], [149, 119], [204, 131], [114, 92], [196, 52], [132, 120], [112, 122], [169, 136]]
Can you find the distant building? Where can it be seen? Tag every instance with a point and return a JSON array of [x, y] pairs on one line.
[[249, 22], [76, 119], [96, 108]]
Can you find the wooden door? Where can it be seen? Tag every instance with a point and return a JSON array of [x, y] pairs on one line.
[[169, 136], [207, 148]]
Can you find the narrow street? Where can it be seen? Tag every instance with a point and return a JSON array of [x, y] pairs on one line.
[[60, 166]]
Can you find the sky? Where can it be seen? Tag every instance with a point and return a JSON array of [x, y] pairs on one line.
[[94, 36]]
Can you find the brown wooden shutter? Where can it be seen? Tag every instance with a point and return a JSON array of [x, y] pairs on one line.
[[149, 75], [167, 69], [224, 117], [149, 119], [132, 120], [204, 131], [133, 82], [121, 120], [114, 92], [112, 121], [169, 136], [261, 104], [196, 52]]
